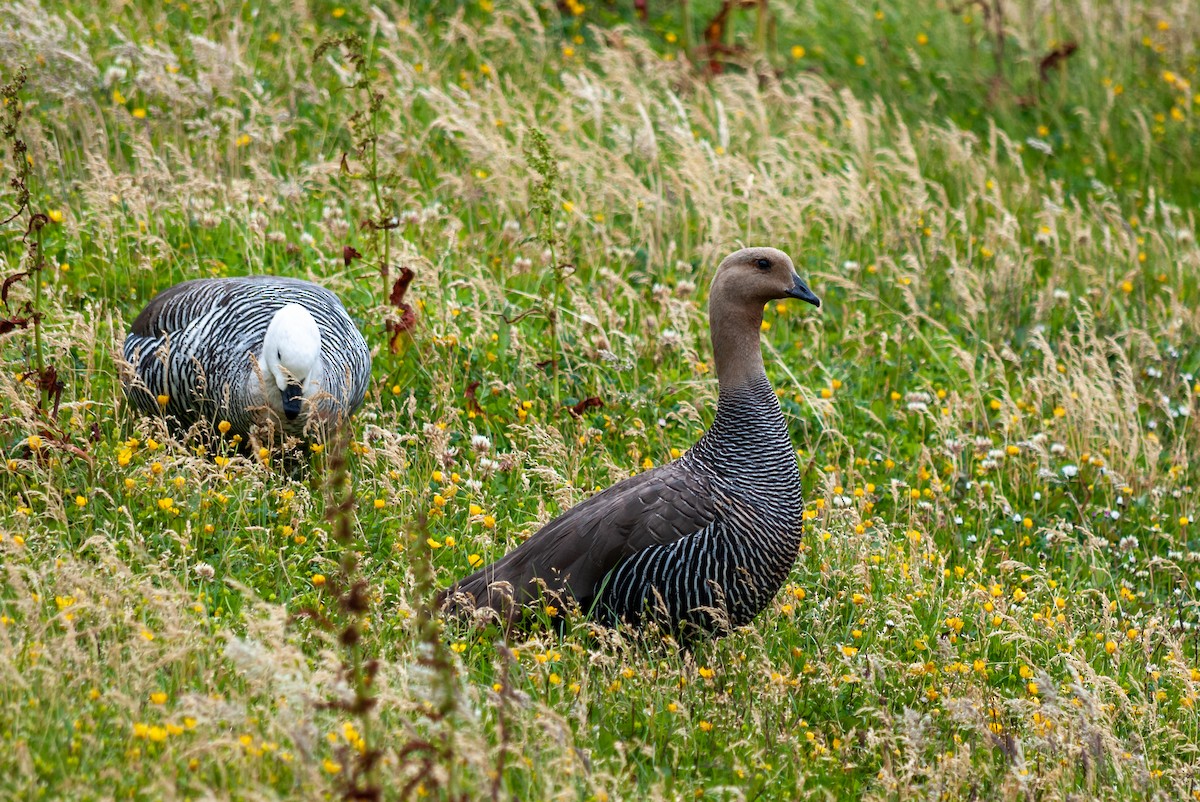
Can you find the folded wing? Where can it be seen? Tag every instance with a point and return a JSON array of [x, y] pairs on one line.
[[575, 552]]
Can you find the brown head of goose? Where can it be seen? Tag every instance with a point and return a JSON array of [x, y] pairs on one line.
[[702, 543]]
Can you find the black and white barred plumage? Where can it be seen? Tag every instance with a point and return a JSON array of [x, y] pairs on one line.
[[199, 346], [725, 573], [701, 544]]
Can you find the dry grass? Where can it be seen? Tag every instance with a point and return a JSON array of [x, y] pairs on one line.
[[994, 412]]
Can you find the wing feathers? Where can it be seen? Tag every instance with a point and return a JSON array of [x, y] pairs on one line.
[[573, 553]]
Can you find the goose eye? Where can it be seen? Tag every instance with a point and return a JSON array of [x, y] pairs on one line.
[[763, 264]]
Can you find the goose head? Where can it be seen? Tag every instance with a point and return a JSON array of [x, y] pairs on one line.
[[291, 358], [753, 277], [745, 282]]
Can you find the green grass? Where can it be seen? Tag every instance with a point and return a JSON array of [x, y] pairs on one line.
[[994, 411]]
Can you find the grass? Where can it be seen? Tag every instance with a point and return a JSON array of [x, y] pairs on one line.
[[994, 412]]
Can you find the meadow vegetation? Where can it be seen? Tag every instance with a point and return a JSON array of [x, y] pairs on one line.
[[994, 412]]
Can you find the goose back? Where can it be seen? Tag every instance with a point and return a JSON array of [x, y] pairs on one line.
[[726, 573], [198, 343]]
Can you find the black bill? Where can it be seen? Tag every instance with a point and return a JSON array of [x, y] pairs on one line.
[[800, 290], [293, 399]]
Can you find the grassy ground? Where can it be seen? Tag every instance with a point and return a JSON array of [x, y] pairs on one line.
[[994, 412]]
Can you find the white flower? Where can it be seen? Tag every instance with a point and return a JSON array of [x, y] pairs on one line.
[[1040, 145], [1070, 471], [480, 444], [671, 338], [204, 571]]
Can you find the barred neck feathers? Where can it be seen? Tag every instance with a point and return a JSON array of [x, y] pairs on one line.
[[749, 430]]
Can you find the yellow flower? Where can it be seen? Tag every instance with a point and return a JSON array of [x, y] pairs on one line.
[[158, 698], [318, 579], [80, 501], [34, 442], [331, 766], [163, 399], [1110, 646], [55, 216], [705, 726], [1126, 286], [339, 12], [922, 39], [139, 113], [798, 51]]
